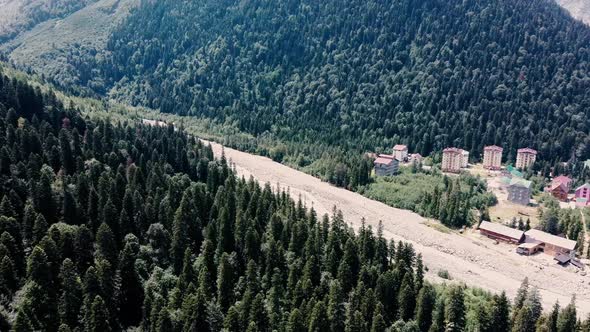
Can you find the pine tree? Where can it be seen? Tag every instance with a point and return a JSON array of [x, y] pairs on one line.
[[567, 318], [43, 196], [296, 322], [355, 323], [407, 298], [553, 318], [455, 310], [419, 277], [106, 247], [131, 298], [378, 322], [22, 322], [99, 317], [425, 307], [336, 307], [185, 214], [232, 320], [349, 266], [523, 321], [39, 229], [8, 278], [500, 315], [521, 297], [225, 281], [318, 320], [70, 300]]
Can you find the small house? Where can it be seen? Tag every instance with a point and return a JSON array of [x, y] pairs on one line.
[[565, 180], [529, 248], [416, 158], [400, 152], [501, 232], [557, 190], [386, 165], [583, 195]]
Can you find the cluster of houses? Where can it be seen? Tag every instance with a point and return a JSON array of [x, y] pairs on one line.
[[532, 241], [388, 164], [560, 188]]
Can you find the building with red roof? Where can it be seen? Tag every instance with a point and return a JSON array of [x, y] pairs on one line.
[[560, 187], [386, 165]]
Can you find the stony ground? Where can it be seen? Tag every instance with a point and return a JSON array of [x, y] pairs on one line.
[[468, 257]]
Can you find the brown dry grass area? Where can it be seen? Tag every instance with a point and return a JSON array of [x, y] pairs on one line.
[[468, 257]]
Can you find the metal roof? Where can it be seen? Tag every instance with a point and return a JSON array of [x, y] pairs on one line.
[[501, 229], [555, 240]]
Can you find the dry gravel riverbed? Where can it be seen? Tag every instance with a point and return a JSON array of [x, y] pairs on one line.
[[468, 258]]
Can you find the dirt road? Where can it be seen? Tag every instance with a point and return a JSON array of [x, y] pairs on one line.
[[468, 258]]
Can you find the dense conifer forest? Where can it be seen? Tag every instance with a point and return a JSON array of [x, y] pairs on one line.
[[110, 227], [327, 81]]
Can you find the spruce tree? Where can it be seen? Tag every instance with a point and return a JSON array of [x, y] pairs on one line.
[[336, 306], [296, 322], [106, 246], [567, 318], [500, 313], [407, 298], [425, 307], [99, 317], [225, 282], [318, 319], [455, 309], [70, 300]]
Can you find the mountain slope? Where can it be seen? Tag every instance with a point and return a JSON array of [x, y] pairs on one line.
[[58, 47], [366, 74], [19, 15], [332, 80]]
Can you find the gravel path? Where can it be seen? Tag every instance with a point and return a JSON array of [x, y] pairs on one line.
[[468, 257]]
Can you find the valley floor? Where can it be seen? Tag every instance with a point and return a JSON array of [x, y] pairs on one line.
[[469, 258]]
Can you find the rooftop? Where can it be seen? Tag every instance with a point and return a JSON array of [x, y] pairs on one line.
[[527, 150], [556, 185], [540, 236], [501, 229], [453, 150], [493, 148], [400, 147], [384, 159], [585, 185], [520, 182], [562, 179]]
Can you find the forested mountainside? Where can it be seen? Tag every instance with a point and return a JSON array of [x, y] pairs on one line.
[[109, 226], [19, 15], [428, 73], [331, 80]]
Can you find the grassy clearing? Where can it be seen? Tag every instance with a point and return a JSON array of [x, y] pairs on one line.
[[405, 190]]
